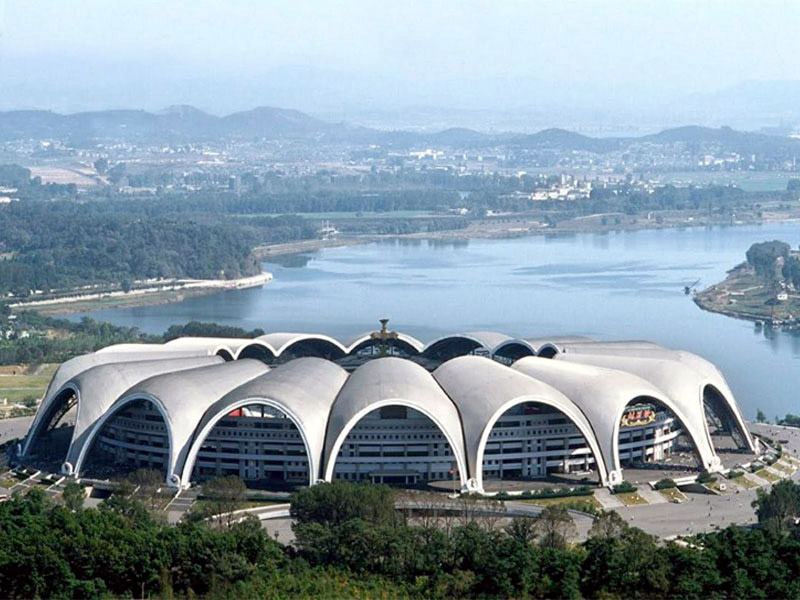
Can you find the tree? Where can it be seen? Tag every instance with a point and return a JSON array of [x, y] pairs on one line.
[[608, 525], [74, 495], [555, 525], [778, 510], [762, 256], [226, 495], [341, 501], [761, 417], [101, 165], [522, 529]]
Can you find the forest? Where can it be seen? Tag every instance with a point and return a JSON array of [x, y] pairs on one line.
[[351, 542], [53, 238]]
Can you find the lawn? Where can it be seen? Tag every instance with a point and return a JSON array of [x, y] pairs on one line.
[[631, 498], [571, 502], [766, 475], [25, 382], [742, 481], [673, 494], [781, 466]]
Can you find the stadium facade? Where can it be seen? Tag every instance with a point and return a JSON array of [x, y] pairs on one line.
[[467, 408]]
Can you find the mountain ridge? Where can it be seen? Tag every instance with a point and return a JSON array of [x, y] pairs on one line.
[[185, 123]]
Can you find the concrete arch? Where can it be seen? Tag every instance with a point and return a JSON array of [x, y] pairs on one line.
[[548, 351], [729, 408], [454, 442], [171, 477], [86, 364], [484, 389], [603, 394], [392, 381], [224, 354], [681, 376], [514, 349], [201, 435], [283, 342], [304, 389], [40, 425], [411, 344], [257, 350], [583, 426], [700, 454]]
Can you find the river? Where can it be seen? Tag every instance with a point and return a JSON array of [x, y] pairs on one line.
[[624, 285]]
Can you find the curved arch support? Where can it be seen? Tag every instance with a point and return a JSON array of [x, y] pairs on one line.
[[702, 449], [200, 437], [455, 445], [575, 418], [170, 476], [46, 413]]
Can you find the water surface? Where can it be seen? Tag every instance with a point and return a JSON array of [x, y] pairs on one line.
[[626, 285]]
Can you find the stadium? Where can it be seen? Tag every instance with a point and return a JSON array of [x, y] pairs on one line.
[[468, 410]]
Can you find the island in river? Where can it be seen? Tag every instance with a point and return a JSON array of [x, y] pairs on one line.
[[765, 288]]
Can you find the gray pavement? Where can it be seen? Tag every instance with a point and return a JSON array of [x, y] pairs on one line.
[[14, 428]]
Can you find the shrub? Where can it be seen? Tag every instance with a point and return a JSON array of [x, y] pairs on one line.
[[706, 477], [734, 474], [623, 488], [666, 484]]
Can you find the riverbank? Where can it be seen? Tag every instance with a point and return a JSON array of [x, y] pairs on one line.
[[510, 225], [742, 295], [148, 294]]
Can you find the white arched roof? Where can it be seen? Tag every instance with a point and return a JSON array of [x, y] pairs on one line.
[[679, 375], [304, 389], [356, 341], [79, 364], [537, 343], [99, 387], [487, 340], [283, 341], [212, 345], [182, 398], [602, 394], [483, 390], [392, 381]]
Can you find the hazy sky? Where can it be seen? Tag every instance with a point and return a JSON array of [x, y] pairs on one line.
[[142, 52]]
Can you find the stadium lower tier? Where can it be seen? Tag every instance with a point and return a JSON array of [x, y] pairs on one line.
[[394, 445]]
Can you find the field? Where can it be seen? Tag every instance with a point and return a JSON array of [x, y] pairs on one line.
[[744, 482], [673, 494], [631, 498], [570, 502], [764, 474], [19, 382]]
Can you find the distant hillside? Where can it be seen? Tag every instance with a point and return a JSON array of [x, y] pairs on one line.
[[186, 123]]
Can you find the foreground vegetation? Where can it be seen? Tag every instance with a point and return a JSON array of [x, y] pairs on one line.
[[351, 542]]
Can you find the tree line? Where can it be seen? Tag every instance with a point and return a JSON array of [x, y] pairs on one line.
[[352, 542]]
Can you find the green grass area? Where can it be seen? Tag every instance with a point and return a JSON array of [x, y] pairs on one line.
[[582, 503], [673, 494], [631, 498], [766, 475], [30, 384], [9, 481], [781, 466], [742, 481]]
